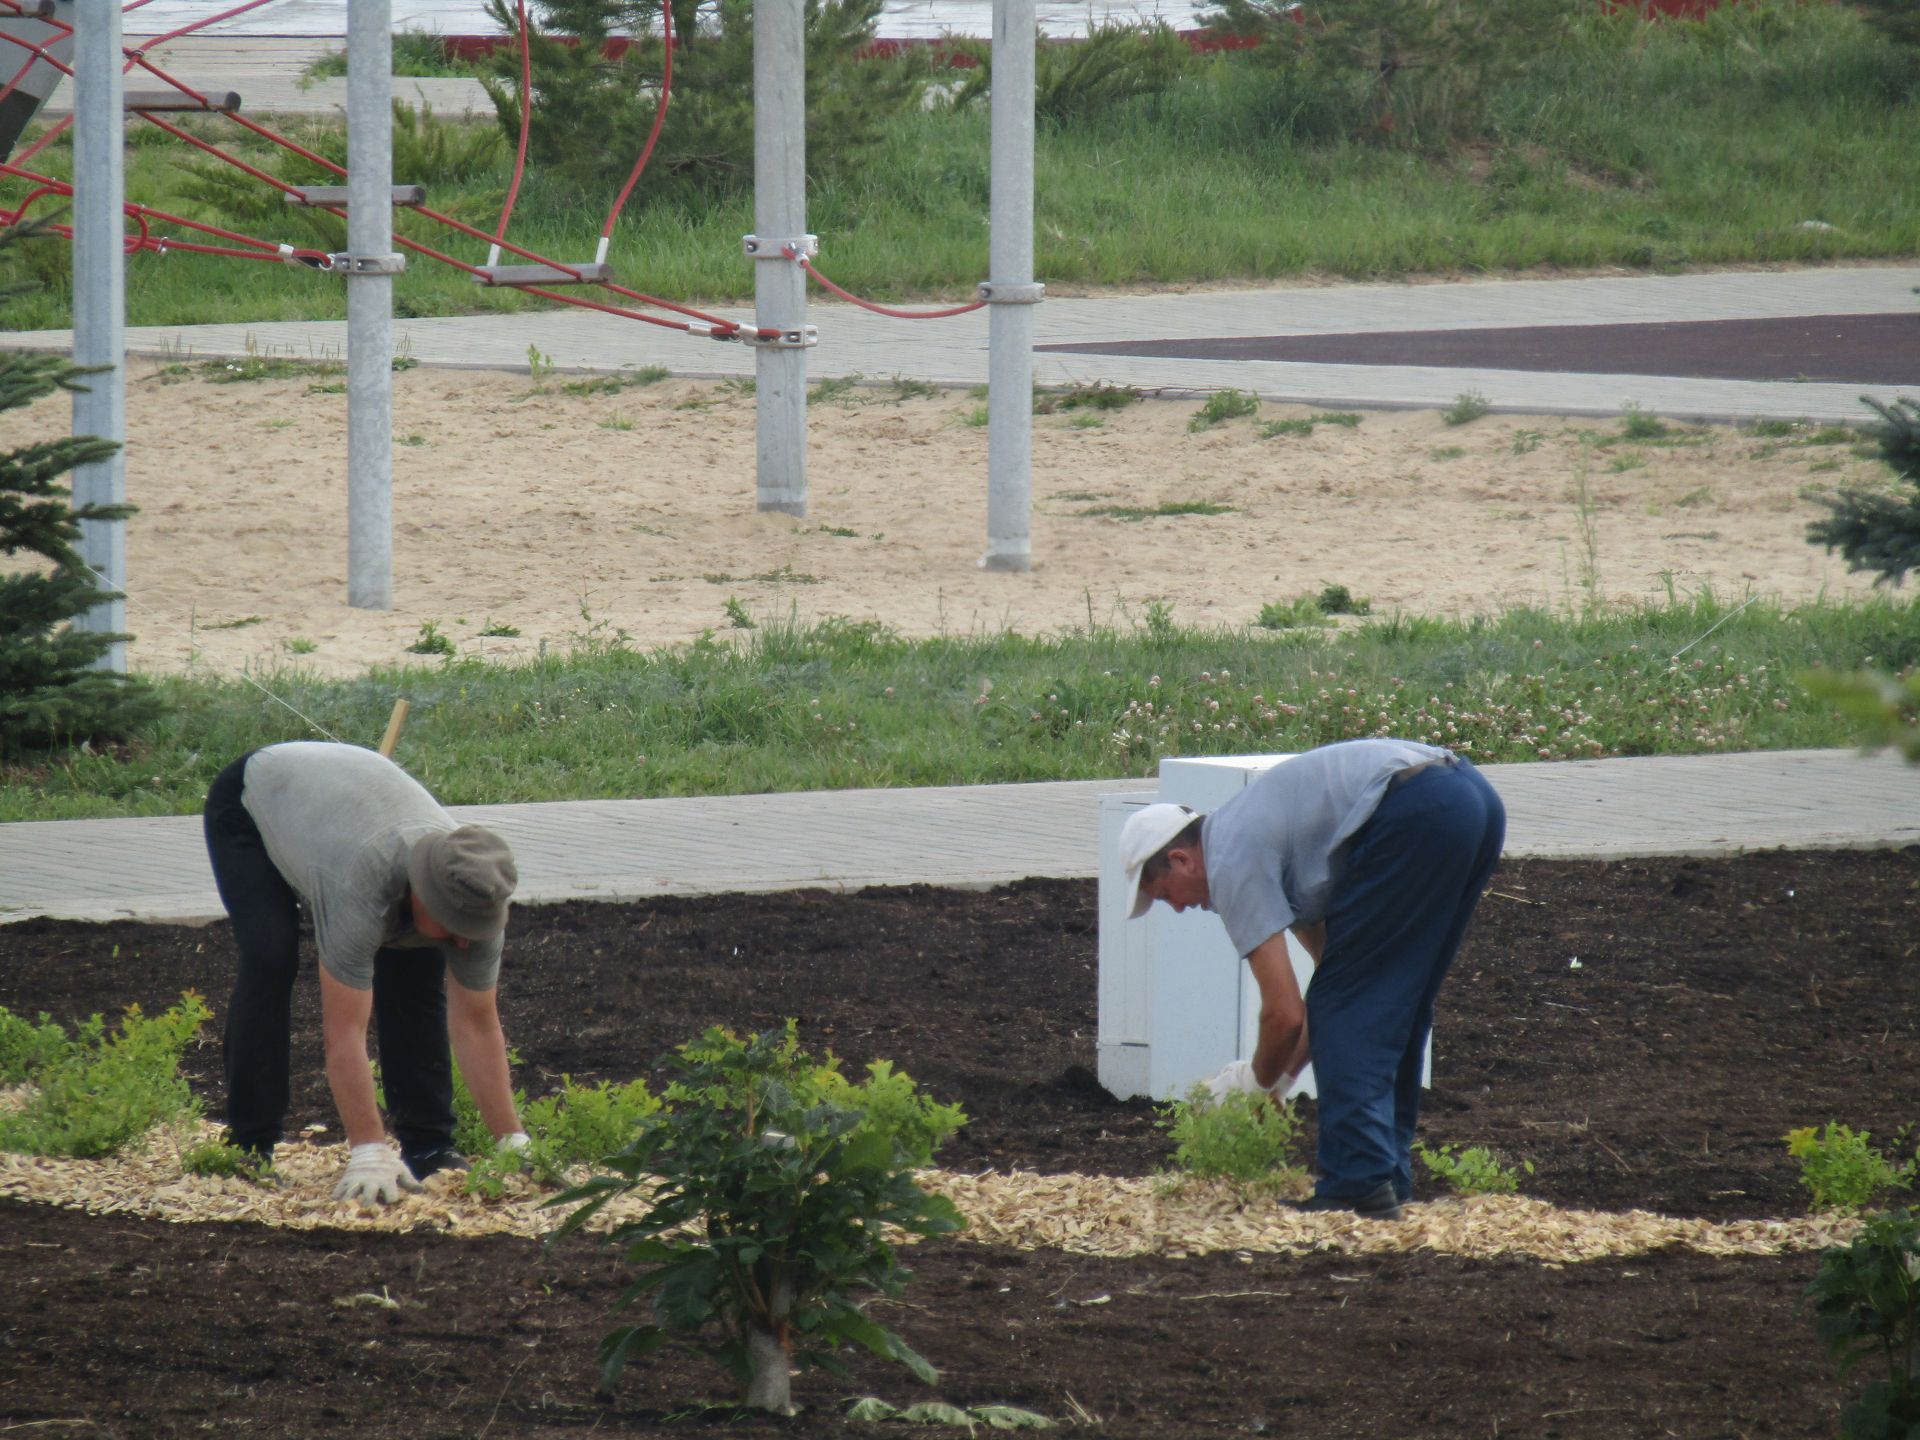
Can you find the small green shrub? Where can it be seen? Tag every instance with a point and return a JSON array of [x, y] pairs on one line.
[[1471, 1170], [1299, 612], [1866, 1302], [215, 1157], [1842, 1169], [894, 1106], [1223, 405], [1467, 407], [577, 1125], [772, 1208], [26, 1048], [1637, 424], [1243, 1137], [103, 1090], [431, 640], [1097, 395], [1338, 600]]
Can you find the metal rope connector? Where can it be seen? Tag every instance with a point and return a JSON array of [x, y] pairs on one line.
[[1005, 292], [341, 262], [803, 247], [800, 337]]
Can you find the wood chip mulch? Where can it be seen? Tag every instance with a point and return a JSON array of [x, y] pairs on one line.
[[1083, 1214]]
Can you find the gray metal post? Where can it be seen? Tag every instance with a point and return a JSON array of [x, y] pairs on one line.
[[99, 300], [1011, 293], [369, 269], [779, 285]]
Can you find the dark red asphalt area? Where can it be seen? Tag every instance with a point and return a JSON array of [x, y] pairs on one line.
[[1841, 349]]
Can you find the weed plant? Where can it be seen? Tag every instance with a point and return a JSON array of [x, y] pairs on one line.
[[1843, 1170], [94, 1092], [1223, 405], [1250, 1139], [1471, 1170], [842, 704], [217, 1158], [1467, 407], [578, 1125]]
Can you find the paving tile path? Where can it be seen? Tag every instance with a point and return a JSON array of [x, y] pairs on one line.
[[156, 869]]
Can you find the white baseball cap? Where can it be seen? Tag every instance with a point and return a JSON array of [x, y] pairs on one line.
[[1147, 832]]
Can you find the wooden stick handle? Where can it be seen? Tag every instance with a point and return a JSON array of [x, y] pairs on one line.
[[394, 722]]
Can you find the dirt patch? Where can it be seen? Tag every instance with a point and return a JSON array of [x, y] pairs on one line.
[[522, 506], [1717, 1004]]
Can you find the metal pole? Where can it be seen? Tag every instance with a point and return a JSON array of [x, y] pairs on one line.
[[369, 279], [1011, 293], [99, 302], [780, 220]]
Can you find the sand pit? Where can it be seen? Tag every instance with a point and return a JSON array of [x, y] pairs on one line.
[[521, 505]]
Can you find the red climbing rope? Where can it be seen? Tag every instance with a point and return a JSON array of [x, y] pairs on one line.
[[526, 125], [248, 247], [807, 265], [261, 249], [659, 118]]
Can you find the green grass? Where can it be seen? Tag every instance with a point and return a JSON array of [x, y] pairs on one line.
[[1654, 147], [843, 704]]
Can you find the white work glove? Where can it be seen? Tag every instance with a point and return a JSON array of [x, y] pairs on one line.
[[1237, 1077], [512, 1144], [376, 1175]]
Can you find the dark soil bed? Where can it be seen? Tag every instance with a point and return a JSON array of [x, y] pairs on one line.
[[1716, 1005]]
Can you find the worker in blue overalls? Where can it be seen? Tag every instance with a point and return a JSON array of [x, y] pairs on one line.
[[1373, 853]]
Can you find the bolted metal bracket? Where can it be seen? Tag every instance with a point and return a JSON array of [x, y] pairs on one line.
[[799, 338], [1003, 292], [804, 247], [343, 263]]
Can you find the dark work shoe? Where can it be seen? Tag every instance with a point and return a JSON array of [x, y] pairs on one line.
[[434, 1161], [1379, 1203]]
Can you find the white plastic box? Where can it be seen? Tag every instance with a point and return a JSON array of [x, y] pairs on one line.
[[1176, 1003]]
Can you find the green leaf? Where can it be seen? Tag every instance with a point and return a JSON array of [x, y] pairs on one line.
[[621, 1345], [686, 1297], [852, 1325], [1007, 1417], [870, 1408], [938, 1412]]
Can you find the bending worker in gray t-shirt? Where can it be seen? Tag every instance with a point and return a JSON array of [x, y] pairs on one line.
[[402, 900], [1373, 853]]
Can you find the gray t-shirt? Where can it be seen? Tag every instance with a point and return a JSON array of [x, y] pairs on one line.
[[1275, 851], [339, 823]]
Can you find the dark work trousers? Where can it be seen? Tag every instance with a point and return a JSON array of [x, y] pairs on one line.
[[1413, 876], [409, 996]]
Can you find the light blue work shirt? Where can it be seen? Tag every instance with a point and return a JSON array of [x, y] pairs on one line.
[[1274, 852]]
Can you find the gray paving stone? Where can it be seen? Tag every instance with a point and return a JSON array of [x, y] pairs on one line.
[[156, 869], [854, 342]]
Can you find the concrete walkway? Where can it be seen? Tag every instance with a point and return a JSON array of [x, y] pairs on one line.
[[855, 342], [156, 869]]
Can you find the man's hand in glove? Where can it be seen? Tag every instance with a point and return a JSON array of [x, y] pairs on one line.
[[1237, 1077], [376, 1175]]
